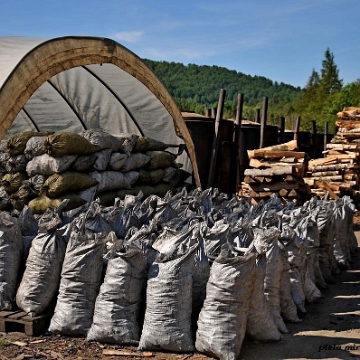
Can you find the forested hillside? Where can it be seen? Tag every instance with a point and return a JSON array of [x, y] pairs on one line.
[[197, 88], [201, 84]]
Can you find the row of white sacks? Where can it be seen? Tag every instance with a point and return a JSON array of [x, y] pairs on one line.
[[190, 271], [41, 169]]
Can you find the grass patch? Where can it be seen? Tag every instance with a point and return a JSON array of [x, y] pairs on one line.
[[3, 342]]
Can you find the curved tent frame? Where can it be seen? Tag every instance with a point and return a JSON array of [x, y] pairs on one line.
[[54, 56]]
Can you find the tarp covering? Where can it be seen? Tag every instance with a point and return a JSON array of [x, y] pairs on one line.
[[77, 83]]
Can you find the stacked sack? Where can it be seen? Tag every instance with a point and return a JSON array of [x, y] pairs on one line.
[[42, 169], [173, 270]]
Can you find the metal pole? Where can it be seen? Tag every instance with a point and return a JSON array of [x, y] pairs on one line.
[[215, 144], [263, 121]]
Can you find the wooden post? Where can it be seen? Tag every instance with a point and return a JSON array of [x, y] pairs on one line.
[[326, 129], [215, 144], [257, 116], [313, 137], [208, 112], [213, 113], [239, 111], [263, 121], [282, 130], [296, 128], [237, 142]]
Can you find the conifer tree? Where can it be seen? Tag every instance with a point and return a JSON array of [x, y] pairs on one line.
[[330, 81]]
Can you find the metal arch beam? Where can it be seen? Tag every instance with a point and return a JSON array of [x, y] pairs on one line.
[[67, 101], [31, 119], [117, 98], [56, 55]]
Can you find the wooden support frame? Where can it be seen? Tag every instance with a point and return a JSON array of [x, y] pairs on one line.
[[56, 55]]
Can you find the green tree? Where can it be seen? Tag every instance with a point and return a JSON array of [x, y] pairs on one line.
[[349, 95], [311, 91], [330, 80], [320, 94]]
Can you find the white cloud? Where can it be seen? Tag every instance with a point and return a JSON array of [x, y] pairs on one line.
[[129, 36]]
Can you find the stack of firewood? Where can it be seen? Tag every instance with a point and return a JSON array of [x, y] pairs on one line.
[[277, 169], [338, 172]]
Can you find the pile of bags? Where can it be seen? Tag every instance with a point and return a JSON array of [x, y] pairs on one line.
[[184, 272], [41, 169]]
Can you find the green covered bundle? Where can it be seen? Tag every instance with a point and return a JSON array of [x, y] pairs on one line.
[[67, 143]]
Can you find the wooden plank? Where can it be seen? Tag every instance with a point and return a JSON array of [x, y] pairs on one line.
[[18, 315], [347, 124], [256, 201], [325, 173], [283, 192], [348, 135], [19, 319], [274, 154], [291, 178], [330, 167], [260, 179], [276, 171], [344, 152], [288, 146], [343, 146], [293, 194], [309, 181], [353, 130], [258, 164], [111, 352], [346, 161], [329, 159], [249, 180], [260, 194], [7, 313], [350, 176], [325, 186], [318, 192], [276, 186], [328, 178], [289, 160]]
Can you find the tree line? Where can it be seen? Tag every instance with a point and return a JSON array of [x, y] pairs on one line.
[[196, 88]]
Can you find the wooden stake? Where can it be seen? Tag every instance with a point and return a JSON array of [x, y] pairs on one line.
[[296, 128], [282, 130], [216, 139], [237, 139], [326, 127], [263, 122]]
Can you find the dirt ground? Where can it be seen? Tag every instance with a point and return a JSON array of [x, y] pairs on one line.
[[330, 330]]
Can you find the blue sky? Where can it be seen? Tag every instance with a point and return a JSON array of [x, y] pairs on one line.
[[282, 40]]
